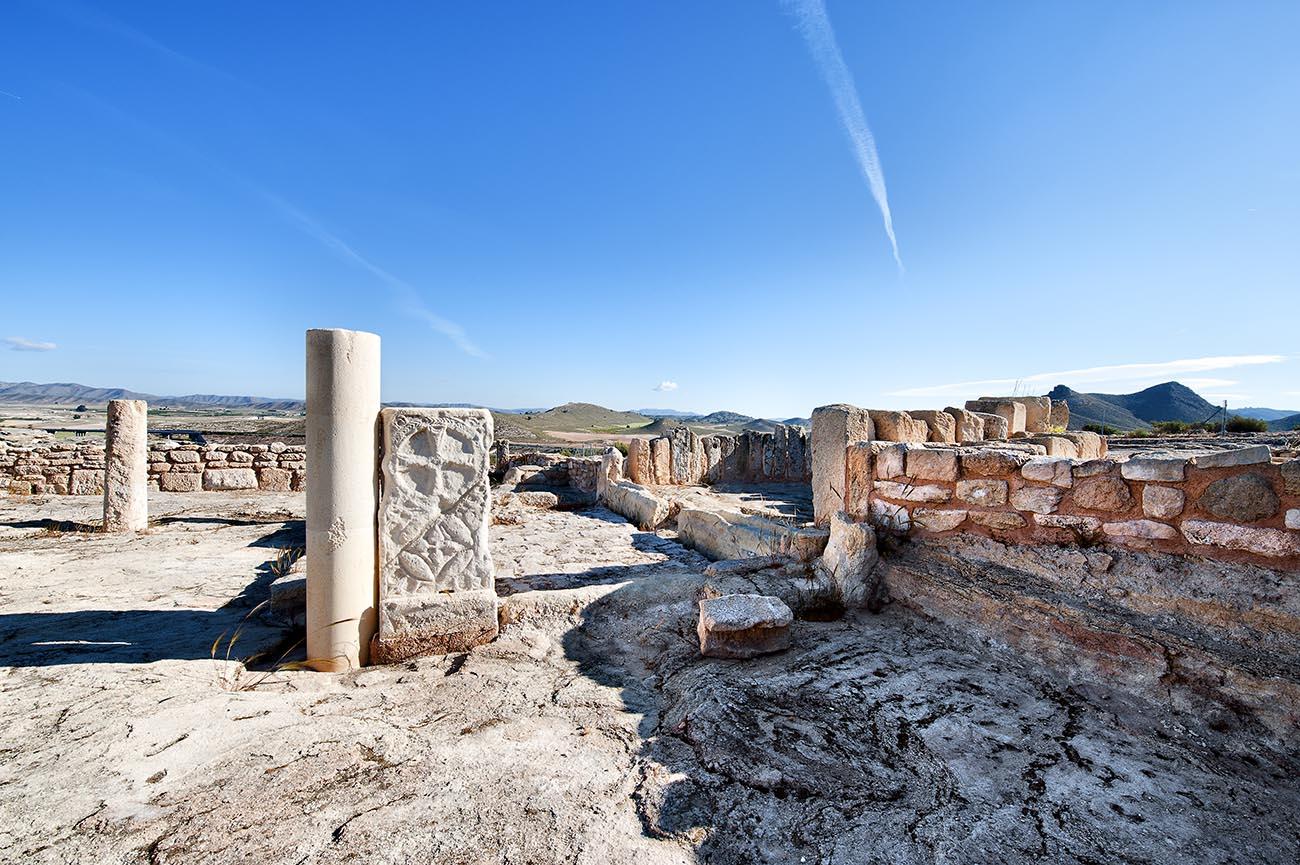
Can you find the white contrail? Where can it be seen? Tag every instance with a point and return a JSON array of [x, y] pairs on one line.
[[11, 95], [407, 297], [816, 29]]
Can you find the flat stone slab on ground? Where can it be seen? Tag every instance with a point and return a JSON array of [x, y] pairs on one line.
[[743, 626]]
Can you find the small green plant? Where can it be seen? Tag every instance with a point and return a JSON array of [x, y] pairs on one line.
[[1104, 429], [622, 447]]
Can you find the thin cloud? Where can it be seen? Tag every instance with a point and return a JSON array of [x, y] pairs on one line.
[[1127, 372], [22, 343], [815, 26], [11, 95], [665, 386], [408, 299]]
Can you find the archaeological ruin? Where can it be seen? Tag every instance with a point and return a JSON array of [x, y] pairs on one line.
[[750, 597]]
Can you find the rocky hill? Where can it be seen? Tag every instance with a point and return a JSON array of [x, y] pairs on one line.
[[1129, 411]]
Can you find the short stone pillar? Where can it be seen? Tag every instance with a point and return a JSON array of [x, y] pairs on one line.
[[834, 428], [342, 496], [126, 466], [436, 584], [611, 472]]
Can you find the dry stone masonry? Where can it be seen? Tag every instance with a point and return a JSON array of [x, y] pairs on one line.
[[436, 591]]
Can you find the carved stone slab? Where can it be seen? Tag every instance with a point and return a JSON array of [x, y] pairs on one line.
[[436, 590]]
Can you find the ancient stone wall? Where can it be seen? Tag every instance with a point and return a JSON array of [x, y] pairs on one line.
[[67, 468], [684, 458], [1235, 505]]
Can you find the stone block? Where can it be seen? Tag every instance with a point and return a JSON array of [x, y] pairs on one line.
[[858, 478], [1038, 413], [435, 569], [661, 460], [1273, 543], [834, 428], [1241, 498], [1060, 417], [1148, 530], [889, 517], [985, 493], [898, 426], [943, 426], [1040, 500], [968, 426], [849, 560], [1089, 445], [909, 493], [992, 462], [997, 520], [180, 482], [743, 626], [890, 460], [936, 520], [1056, 445], [932, 464], [180, 455], [1154, 467], [1245, 456], [1094, 467], [1057, 471], [1102, 493], [1293, 519], [227, 479], [274, 480], [86, 482], [638, 461], [1084, 528], [996, 427], [1009, 410], [643, 508], [1163, 503], [1291, 477], [239, 458]]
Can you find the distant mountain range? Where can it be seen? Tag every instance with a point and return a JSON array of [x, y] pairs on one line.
[[1170, 401]]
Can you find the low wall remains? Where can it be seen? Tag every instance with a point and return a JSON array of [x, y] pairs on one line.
[[684, 458], [66, 468]]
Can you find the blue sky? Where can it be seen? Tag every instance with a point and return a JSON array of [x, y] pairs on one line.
[[535, 203]]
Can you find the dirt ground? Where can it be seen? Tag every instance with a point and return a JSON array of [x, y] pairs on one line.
[[589, 732]]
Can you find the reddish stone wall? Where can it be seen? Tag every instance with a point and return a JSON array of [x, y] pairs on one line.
[[1191, 506]]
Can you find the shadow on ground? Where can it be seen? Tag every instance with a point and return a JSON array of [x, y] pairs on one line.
[[144, 636]]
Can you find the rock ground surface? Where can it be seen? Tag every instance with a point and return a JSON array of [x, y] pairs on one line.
[[590, 731]]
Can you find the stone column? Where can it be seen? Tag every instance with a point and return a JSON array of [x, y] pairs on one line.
[[126, 469], [834, 428], [436, 585], [342, 496]]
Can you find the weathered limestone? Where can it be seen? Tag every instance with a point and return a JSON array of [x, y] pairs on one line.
[[943, 426], [86, 482], [611, 471], [685, 456], [743, 626], [1147, 530], [834, 427], [989, 462], [436, 590], [968, 426], [230, 479], [997, 520], [342, 496], [642, 507], [126, 470], [726, 534], [1060, 417], [1293, 519], [639, 470], [898, 426], [1154, 467], [849, 560], [891, 460], [1102, 493], [907, 492], [936, 520], [1274, 543], [996, 427], [1240, 498], [1162, 502], [1056, 445], [985, 493], [1056, 471], [1291, 477], [661, 461], [1009, 410], [1040, 500], [1239, 457], [932, 464]]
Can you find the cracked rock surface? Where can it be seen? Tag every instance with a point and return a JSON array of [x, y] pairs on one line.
[[590, 732]]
